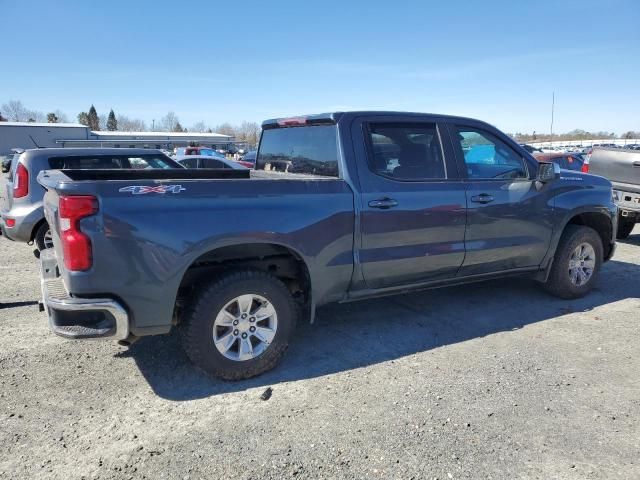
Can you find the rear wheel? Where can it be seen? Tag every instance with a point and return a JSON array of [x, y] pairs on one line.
[[43, 238], [239, 326], [625, 227], [576, 263]]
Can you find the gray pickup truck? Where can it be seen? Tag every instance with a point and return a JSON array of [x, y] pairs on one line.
[[340, 207], [622, 167]]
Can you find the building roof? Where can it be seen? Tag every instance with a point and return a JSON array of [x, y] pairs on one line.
[[119, 133], [41, 124]]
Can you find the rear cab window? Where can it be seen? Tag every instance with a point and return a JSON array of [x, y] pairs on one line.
[[308, 150]]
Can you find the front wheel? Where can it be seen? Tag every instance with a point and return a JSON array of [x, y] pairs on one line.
[[576, 263], [239, 326]]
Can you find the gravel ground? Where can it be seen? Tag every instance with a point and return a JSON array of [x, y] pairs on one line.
[[496, 380]]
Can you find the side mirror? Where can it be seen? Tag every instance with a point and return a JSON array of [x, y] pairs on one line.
[[548, 171]]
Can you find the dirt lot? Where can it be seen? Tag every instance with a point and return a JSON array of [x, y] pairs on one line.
[[490, 381]]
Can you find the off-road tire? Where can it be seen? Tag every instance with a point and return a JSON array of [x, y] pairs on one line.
[[197, 324], [38, 238], [558, 282], [625, 227]]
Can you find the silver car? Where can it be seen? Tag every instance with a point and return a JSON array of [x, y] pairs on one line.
[[22, 217]]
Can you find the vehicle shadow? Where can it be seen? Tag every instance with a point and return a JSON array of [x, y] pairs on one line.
[[26, 303], [354, 335]]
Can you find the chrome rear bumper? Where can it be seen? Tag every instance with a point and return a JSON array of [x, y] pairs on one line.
[[78, 318]]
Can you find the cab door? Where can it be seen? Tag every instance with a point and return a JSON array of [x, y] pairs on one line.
[[412, 202], [509, 217]]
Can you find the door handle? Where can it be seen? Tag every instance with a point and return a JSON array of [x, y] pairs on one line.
[[482, 198], [636, 163], [383, 203]]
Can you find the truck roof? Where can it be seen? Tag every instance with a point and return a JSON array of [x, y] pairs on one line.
[[334, 117]]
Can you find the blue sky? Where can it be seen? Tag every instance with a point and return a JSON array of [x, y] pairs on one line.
[[231, 61]]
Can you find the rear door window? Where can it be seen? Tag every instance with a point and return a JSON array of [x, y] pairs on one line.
[[405, 151], [311, 150]]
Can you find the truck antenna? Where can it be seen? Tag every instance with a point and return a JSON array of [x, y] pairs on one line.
[[34, 142]]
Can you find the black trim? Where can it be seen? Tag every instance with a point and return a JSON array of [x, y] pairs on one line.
[[155, 174]]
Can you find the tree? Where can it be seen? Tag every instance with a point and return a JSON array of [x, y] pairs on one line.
[[2, 119], [198, 127], [127, 124], [62, 117], [168, 122], [83, 118], [248, 132], [226, 129], [178, 128], [31, 120], [102, 122], [94, 121], [17, 112], [52, 117], [112, 122]]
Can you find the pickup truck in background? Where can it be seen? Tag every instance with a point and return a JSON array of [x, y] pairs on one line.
[[340, 207], [622, 168]]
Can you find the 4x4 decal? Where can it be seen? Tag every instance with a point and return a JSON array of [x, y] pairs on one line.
[[142, 189]]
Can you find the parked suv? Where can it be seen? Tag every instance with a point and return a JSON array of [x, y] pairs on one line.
[[22, 216]]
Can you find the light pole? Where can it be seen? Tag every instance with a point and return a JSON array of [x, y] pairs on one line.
[[153, 124]]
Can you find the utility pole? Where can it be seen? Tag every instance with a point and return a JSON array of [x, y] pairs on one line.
[[553, 101], [153, 125]]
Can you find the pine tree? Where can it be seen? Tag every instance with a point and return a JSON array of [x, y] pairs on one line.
[[52, 118], [83, 118], [94, 121], [178, 128], [112, 122], [3, 119]]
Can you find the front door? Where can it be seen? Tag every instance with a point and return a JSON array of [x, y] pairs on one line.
[[509, 222], [413, 205]]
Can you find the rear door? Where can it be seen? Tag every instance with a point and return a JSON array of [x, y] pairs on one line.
[[509, 219], [413, 205]]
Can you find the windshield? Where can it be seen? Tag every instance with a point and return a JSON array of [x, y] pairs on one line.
[[311, 150]]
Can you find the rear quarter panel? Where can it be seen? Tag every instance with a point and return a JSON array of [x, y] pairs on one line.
[[143, 244]]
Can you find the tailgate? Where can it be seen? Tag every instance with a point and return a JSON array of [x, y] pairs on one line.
[[618, 165]]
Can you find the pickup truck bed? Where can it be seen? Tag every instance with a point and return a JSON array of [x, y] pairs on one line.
[[341, 207]]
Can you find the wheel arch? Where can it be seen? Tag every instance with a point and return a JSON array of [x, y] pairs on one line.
[[599, 222], [282, 261], [36, 227]]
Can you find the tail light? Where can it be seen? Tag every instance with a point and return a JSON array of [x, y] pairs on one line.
[[585, 168], [20, 182], [10, 222], [76, 246]]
